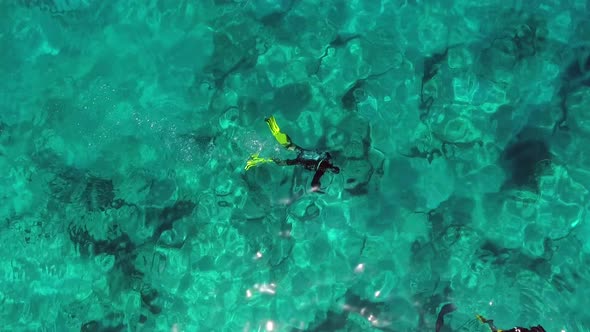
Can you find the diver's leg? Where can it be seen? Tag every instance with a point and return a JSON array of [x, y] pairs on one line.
[[255, 160], [281, 137], [490, 323], [285, 162]]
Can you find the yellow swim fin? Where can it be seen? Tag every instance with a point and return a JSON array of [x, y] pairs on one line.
[[281, 137], [254, 160], [489, 322]]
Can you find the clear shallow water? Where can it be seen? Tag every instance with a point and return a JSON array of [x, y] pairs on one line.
[[125, 129]]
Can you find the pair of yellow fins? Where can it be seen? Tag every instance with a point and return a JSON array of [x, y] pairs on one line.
[[281, 137]]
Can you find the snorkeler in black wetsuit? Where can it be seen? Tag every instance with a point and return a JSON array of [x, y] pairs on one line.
[[320, 162], [493, 328]]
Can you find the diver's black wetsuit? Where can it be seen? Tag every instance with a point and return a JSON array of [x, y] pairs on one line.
[[311, 160], [320, 162], [490, 323], [537, 328]]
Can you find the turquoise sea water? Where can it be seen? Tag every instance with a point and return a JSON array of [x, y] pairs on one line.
[[461, 130]]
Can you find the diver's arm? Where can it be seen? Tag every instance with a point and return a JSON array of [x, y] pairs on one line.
[[315, 182]]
